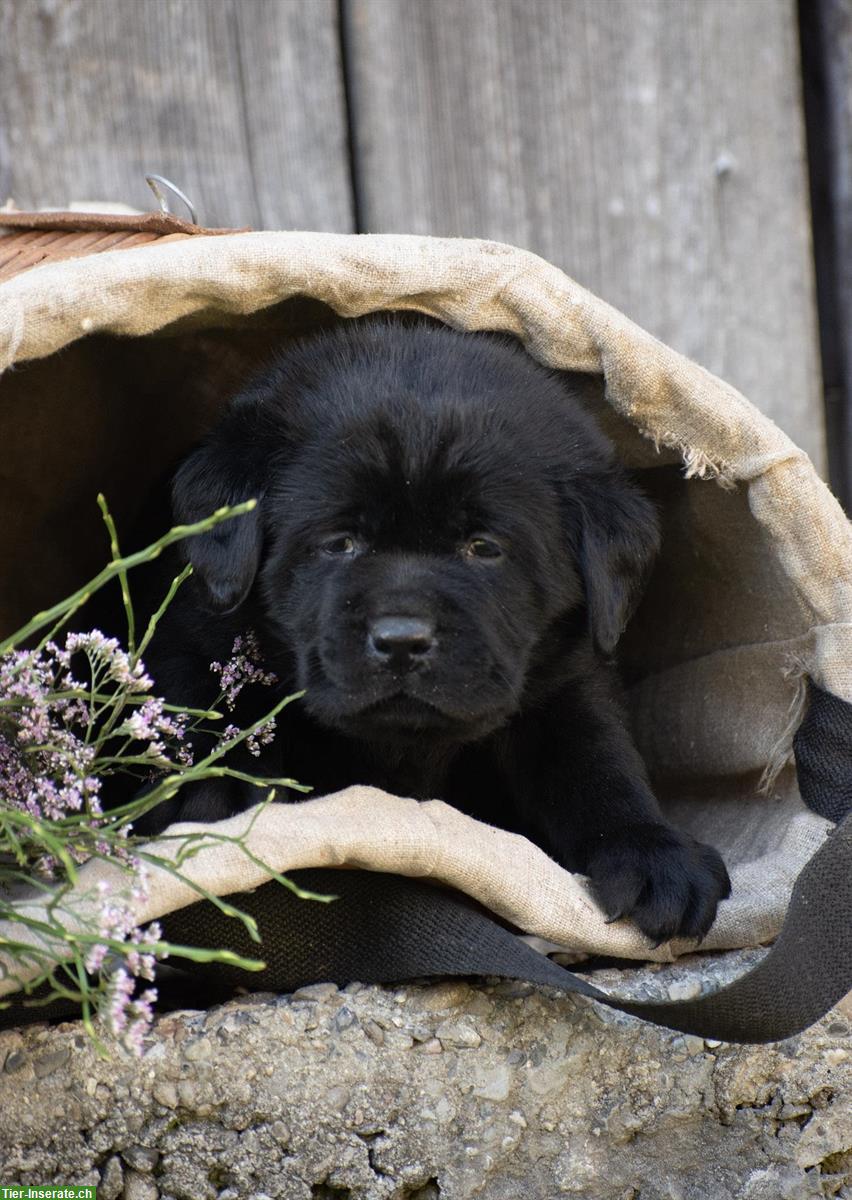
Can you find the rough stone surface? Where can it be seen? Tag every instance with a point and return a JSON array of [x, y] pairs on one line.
[[447, 1090], [111, 1183]]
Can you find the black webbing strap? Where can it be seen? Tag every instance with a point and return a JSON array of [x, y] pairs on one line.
[[389, 929], [823, 750]]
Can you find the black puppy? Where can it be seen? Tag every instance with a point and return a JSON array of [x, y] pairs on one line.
[[444, 554]]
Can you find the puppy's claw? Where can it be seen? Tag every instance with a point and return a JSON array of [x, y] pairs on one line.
[[669, 884]]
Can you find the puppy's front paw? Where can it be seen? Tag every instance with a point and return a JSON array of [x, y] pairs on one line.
[[666, 881]]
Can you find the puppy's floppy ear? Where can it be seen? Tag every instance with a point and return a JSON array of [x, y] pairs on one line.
[[229, 467], [619, 537]]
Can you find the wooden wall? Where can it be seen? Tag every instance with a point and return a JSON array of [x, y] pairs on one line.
[[826, 27], [240, 102], [653, 149]]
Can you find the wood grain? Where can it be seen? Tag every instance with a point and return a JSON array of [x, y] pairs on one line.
[[240, 102], [827, 59], [653, 150]]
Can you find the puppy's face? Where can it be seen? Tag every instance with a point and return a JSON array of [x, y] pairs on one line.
[[433, 511], [415, 562]]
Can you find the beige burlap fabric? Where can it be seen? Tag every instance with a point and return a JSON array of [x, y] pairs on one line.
[[122, 359]]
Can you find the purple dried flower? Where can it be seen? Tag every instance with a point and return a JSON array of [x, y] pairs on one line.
[[243, 667], [150, 723], [49, 738], [49, 781], [107, 658], [58, 737], [128, 1017], [262, 736], [121, 988], [95, 958], [141, 1014], [45, 759]]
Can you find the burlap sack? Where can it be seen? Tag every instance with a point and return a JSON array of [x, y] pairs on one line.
[[113, 363]]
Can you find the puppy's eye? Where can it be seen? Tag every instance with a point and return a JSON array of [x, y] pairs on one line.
[[341, 545], [482, 547]]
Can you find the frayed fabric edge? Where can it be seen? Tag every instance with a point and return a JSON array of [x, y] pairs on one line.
[[797, 672], [697, 464]]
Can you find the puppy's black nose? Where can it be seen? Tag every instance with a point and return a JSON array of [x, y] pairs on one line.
[[400, 642]]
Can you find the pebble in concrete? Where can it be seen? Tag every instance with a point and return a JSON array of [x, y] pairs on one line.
[[444, 1090]]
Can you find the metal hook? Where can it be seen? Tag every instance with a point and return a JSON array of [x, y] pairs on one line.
[[154, 183]]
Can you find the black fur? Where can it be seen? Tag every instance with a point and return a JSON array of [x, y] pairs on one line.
[[444, 555]]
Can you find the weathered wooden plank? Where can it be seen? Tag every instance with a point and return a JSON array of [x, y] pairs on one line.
[[653, 150], [240, 102], [827, 63]]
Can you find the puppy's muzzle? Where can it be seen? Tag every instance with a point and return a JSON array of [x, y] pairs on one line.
[[401, 644]]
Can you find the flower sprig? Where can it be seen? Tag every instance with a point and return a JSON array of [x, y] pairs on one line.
[[73, 713]]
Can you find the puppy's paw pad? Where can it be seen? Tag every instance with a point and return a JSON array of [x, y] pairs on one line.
[[669, 884]]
